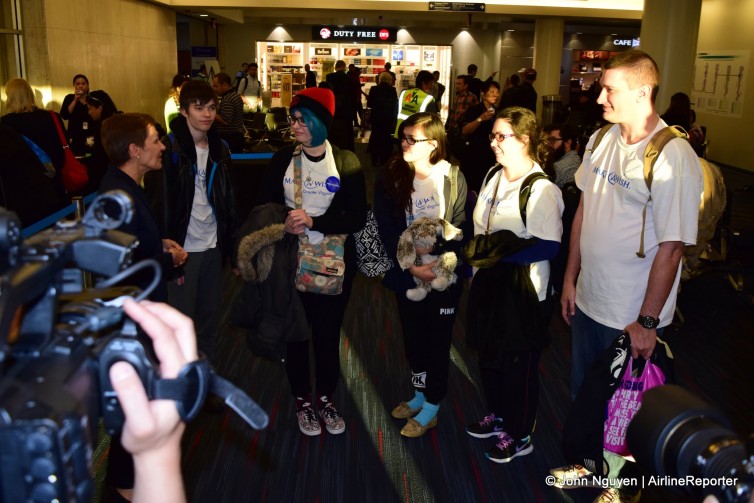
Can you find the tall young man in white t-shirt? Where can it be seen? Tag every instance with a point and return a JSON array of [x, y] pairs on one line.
[[198, 208], [618, 290]]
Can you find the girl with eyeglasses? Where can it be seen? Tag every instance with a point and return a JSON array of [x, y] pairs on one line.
[[419, 182], [331, 200], [509, 301]]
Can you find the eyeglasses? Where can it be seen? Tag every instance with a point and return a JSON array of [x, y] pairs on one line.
[[412, 141], [296, 120], [553, 139], [501, 136]]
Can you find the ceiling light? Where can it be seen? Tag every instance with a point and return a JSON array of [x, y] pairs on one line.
[[511, 30], [203, 15]]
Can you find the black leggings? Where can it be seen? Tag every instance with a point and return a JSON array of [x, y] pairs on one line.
[[325, 316], [512, 391]]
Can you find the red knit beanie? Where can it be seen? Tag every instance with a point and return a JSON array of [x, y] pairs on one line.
[[318, 100]]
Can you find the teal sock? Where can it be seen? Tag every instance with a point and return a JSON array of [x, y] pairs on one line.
[[417, 401], [428, 412]]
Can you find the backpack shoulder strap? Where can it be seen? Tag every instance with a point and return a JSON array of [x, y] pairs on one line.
[[655, 146], [651, 154], [525, 192], [453, 175], [494, 169], [601, 134]]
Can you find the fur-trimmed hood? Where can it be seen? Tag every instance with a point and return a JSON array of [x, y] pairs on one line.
[[256, 241], [259, 243]]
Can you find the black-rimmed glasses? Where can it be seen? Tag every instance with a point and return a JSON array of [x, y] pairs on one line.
[[412, 141], [501, 136], [296, 120]]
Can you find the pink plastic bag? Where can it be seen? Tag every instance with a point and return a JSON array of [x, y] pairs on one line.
[[626, 402]]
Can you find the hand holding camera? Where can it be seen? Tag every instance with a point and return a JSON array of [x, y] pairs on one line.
[[153, 429]]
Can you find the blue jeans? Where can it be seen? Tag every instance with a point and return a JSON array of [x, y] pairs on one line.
[[588, 340]]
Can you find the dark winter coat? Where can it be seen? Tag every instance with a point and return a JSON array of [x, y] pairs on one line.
[[269, 306]]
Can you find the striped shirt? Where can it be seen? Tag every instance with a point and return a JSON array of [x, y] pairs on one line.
[[230, 109]]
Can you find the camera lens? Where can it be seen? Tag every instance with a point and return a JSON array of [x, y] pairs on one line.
[[677, 435]]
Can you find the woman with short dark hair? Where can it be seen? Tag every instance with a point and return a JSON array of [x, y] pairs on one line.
[[75, 111]]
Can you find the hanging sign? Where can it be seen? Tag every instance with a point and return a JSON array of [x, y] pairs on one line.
[[375, 34]]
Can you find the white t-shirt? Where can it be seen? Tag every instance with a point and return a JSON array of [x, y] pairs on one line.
[[613, 280], [543, 216], [202, 228], [319, 183], [428, 199]]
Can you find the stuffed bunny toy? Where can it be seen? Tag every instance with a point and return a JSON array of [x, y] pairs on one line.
[[422, 233]]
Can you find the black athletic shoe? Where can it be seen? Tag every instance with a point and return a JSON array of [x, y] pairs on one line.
[[508, 448], [490, 426]]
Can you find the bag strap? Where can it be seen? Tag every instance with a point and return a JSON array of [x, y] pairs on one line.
[[453, 175], [603, 131], [525, 192], [59, 127], [651, 154], [297, 198]]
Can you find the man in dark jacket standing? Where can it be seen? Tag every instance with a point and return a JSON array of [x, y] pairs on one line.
[[197, 208], [522, 95], [341, 128]]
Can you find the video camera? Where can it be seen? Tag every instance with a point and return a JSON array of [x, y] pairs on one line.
[[58, 342], [689, 443]]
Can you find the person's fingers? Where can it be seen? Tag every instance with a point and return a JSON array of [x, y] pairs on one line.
[[182, 326], [157, 327], [132, 398]]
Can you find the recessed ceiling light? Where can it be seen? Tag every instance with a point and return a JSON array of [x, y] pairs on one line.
[[511, 30], [613, 34], [203, 15]]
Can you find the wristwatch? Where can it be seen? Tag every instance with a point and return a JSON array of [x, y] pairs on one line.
[[479, 119], [648, 321]]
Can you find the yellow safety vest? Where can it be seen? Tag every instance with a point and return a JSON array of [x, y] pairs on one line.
[[411, 101]]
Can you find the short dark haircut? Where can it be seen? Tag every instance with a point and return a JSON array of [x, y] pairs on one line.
[[472, 68], [223, 78], [466, 79], [120, 131], [423, 77], [388, 66], [490, 83], [253, 65], [197, 92], [515, 79]]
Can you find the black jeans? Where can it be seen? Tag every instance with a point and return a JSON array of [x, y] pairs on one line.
[[325, 316], [427, 334]]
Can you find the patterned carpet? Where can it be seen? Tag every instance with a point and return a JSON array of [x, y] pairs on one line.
[[226, 461]]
